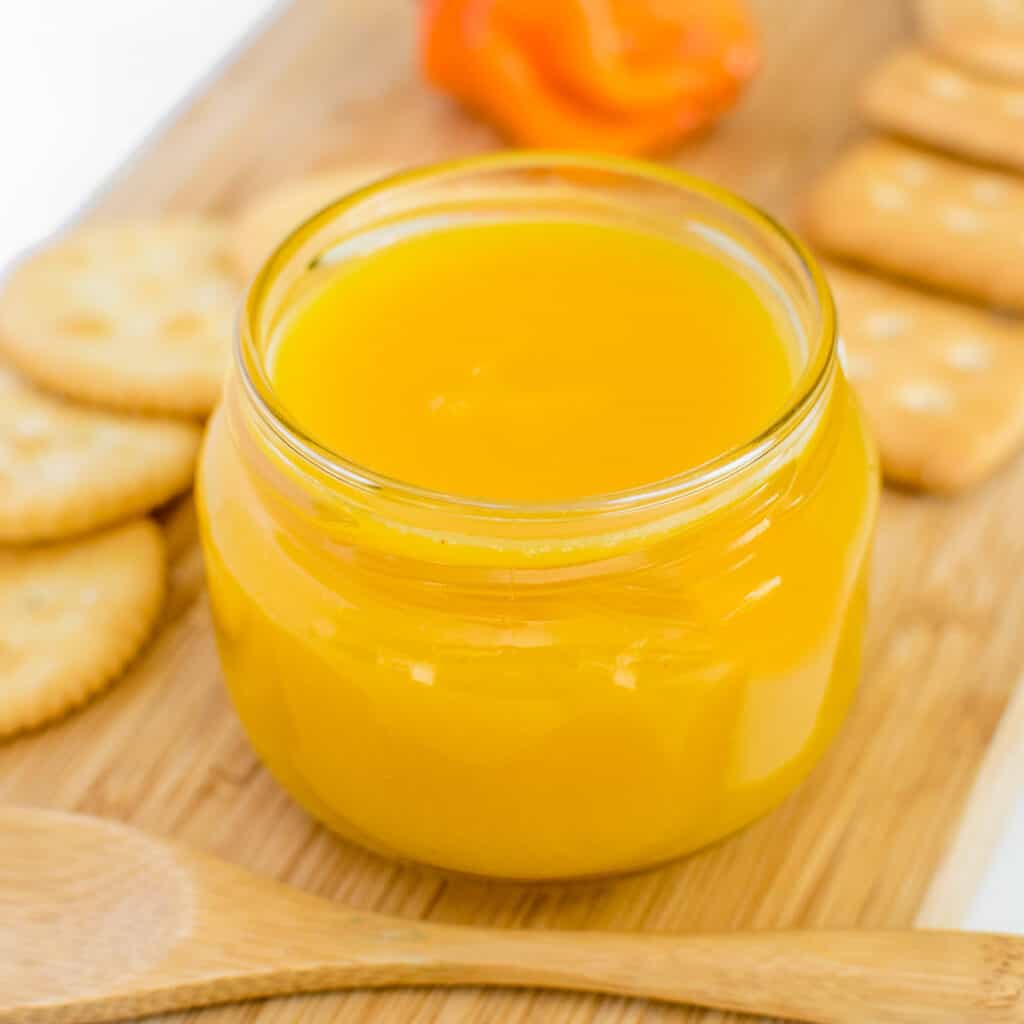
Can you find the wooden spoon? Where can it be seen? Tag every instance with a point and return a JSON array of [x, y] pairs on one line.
[[99, 922]]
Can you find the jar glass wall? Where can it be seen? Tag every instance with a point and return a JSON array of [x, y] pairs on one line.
[[540, 691]]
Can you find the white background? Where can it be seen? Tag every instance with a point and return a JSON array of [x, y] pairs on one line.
[[82, 82]]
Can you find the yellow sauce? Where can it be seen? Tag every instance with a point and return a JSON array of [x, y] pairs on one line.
[[525, 361], [537, 701]]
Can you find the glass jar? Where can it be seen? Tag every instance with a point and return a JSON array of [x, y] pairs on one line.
[[541, 691]]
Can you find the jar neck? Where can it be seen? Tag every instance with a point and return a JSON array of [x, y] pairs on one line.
[[340, 498], [369, 515]]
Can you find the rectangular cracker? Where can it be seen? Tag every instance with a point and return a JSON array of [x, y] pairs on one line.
[[986, 36], [921, 97], [928, 218], [985, 49], [941, 384]]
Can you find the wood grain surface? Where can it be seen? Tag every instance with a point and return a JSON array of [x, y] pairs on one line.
[[858, 846]]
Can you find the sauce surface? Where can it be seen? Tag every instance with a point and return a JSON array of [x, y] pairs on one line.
[[527, 360]]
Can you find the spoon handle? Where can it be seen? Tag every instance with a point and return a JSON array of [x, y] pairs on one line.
[[831, 977], [844, 977]]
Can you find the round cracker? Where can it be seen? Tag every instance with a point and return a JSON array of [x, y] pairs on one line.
[[135, 315], [274, 214], [72, 615], [68, 468]]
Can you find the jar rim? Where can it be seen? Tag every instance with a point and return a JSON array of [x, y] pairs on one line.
[[807, 389]]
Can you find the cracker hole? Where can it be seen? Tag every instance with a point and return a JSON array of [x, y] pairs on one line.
[[925, 396], [882, 324], [1014, 105], [886, 196], [989, 190], [86, 326], [947, 86], [969, 355], [182, 326], [31, 431], [914, 172], [61, 470], [961, 219]]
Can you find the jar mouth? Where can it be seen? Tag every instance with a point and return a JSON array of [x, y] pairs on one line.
[[810, 384]]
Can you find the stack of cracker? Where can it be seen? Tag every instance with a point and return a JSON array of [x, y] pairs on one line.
[[113, 340], [936, 205], [113, 344]]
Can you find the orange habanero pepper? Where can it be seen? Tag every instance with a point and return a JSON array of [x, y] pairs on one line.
[[629, 76]]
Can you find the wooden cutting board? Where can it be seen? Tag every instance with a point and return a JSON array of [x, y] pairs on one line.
[[890, 829]]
